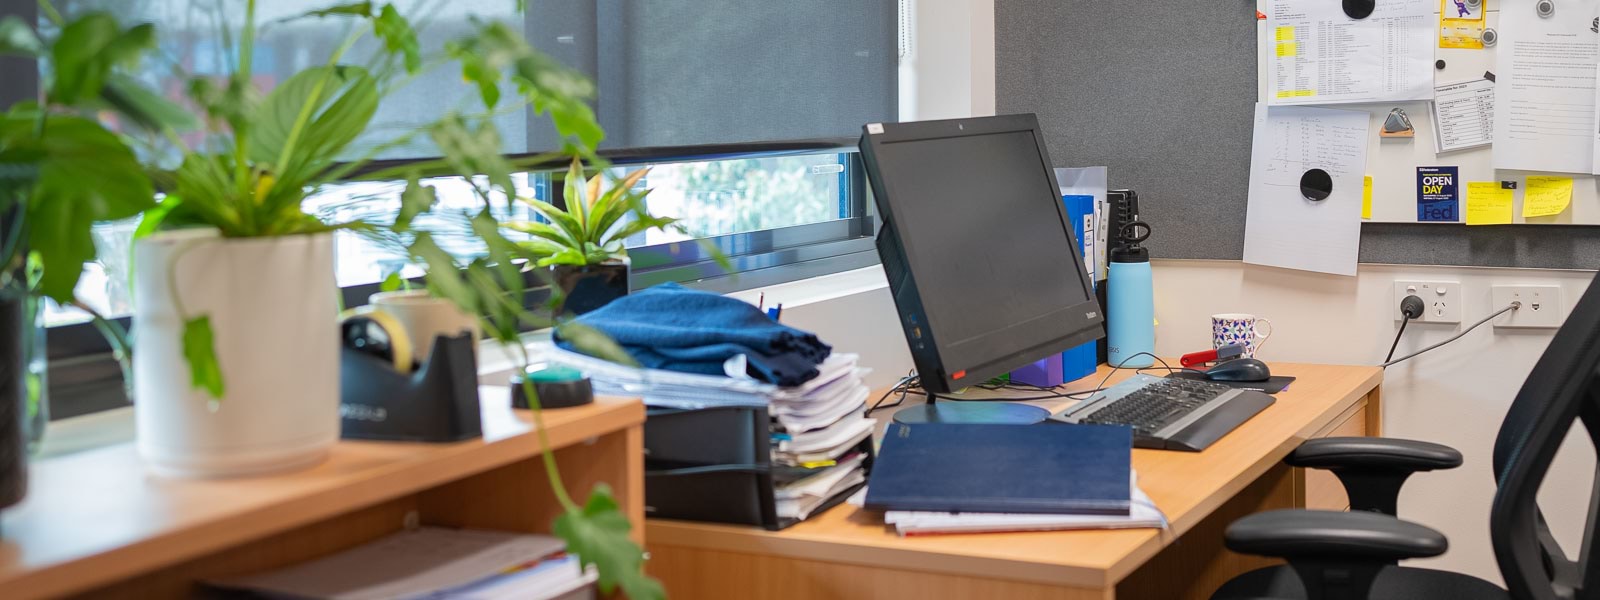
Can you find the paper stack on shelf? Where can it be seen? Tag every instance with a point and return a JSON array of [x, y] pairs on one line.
[[817, 428], [1143, 513], [433, 562]]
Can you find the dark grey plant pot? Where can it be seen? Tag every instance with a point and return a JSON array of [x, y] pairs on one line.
[[14, 324], [590, 287]]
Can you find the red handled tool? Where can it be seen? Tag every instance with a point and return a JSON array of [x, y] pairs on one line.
[[1216, 355]]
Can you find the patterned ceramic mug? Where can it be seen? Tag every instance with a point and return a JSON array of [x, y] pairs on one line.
[[1242, 329]]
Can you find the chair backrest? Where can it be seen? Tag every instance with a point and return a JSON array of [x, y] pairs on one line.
[[1562, 390]]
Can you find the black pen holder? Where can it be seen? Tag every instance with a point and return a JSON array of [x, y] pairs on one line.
[[436, 403]]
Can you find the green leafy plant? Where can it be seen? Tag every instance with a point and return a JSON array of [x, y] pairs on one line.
[[61, 170], [265, 153], [592, 229], [262, 154]]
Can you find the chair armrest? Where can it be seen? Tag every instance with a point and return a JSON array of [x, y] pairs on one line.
[[1370, 453], [1325, 534]]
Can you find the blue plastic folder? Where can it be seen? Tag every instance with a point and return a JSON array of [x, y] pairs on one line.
[[1079, 361], [1040, 469]]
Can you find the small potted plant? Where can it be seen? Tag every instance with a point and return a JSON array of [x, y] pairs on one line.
[[584, 245], [236, 366]]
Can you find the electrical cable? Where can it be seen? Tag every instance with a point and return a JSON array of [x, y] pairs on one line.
[[1397, 337], [1513, 306], [1118, 367], [910, 384], [904, 387]]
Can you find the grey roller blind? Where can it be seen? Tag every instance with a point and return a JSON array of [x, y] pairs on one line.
[[683, 72]]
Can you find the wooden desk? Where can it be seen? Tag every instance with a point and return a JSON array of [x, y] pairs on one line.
[[95, 524], [848, 552]]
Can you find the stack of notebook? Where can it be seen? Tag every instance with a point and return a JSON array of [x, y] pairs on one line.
[[1141, 514], [817, 428], [943, 478], [432, 562]]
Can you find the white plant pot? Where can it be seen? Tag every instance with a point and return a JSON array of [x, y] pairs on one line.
[[273, 308]]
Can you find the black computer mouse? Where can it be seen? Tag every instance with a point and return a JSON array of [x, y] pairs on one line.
[[1242, 369]]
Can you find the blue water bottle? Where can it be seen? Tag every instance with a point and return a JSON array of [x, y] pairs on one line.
[[1131, 305]]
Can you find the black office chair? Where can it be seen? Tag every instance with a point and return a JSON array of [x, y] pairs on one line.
[[1352, 555]]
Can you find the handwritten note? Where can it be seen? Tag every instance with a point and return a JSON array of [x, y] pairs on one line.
[[1488, 204], [1546, 196], [1366, 197]]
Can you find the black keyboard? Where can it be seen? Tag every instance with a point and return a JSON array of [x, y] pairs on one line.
[[1170, 414]]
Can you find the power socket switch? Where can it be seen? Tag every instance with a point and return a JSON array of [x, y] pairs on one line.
[[1442, 300], [1542, 306]]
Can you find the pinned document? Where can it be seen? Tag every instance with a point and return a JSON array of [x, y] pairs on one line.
[[1461, 24], [1545, 196], [1319, 55], [1488, 203], [1463, 115], [1438, 194], [1545, 88], [1283, 226]]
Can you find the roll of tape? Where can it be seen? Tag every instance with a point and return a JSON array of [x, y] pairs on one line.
[[401, 352]]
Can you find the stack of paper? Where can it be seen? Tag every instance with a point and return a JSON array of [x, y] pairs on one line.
[[1142, 513], [817, 428], [433, 562], [798, 494]]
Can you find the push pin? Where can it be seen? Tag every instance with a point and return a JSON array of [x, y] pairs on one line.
[[1397, 125], [1490, 37], [1545, 8], [1316, 185], [1359, 9]]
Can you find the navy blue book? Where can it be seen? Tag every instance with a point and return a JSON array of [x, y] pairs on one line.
[[1042, 469]]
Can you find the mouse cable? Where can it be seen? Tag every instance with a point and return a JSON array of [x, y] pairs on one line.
[[1513, 306]]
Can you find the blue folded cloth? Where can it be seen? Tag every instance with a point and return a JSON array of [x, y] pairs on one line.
[[678, 329]]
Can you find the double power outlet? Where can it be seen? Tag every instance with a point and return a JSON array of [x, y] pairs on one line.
[[1541, 305]]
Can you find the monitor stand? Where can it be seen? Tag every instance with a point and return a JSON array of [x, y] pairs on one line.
[[972, 412]]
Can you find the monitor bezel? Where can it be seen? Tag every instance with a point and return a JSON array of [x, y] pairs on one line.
[[935, 377]]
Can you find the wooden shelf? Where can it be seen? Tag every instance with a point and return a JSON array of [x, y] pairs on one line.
[[97, 518]]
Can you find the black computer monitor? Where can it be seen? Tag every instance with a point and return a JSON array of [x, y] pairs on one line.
[[981, 257]]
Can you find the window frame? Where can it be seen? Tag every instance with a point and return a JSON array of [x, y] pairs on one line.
[[83, 376]]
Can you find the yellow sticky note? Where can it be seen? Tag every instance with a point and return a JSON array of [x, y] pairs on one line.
[[1288, 49], [1366, 197], [1286, 33], [1488, 204], [1545, 196]]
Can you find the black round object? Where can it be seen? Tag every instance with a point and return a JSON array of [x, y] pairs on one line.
[[1316, 185], [557, 388], [1359, 9], [992, 413], [1439, 64]]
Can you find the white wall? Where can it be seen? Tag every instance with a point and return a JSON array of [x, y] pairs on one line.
[[1455, 395]]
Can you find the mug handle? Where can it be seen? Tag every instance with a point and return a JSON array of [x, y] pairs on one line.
[[1256, 329]]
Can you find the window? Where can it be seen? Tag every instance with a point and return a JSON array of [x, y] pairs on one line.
[[745, 110]]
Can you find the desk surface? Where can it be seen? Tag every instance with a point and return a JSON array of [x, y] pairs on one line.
[[1186, 486]]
